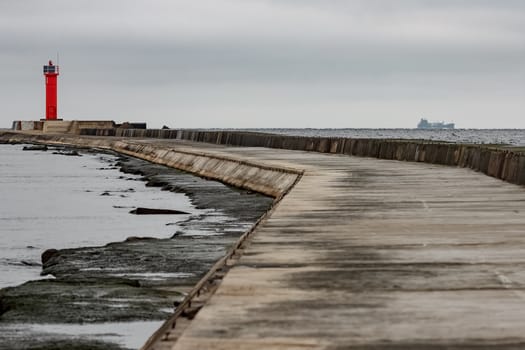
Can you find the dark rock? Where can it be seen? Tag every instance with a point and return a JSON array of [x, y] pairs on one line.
[[4, 306], [177, 234], [150, 211], [136, 239], [35, 148], [68, 153], [48, 254], [105, 194], [155, 182], [30, 263]]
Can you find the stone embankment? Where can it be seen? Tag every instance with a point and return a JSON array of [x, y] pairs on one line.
[[504, 163]]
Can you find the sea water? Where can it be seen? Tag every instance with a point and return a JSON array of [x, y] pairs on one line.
[[513, 137], [55, 201]]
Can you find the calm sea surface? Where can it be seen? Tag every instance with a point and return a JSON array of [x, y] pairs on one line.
[[55, 201], [515, 137]]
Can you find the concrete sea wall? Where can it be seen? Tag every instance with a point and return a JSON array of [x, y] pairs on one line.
[[270, 181], [507, 164]]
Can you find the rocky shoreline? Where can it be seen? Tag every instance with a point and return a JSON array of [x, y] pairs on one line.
[[139, 279]]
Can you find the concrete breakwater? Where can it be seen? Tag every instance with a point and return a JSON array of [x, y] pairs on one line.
[[360, 253], [501, 162]]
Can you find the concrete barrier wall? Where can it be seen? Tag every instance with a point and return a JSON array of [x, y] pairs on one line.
[[74, 126], [27, 125], [502, 163], [272, 181], [61, 126]]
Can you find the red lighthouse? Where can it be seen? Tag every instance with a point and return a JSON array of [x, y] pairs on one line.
[[51, 74]]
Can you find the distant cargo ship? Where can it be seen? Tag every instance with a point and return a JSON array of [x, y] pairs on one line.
[[425, 124]]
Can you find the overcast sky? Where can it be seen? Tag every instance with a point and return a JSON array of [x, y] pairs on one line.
[[268, 63]]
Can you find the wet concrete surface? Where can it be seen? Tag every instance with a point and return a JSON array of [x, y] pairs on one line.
[[371, 254], [138, 279]]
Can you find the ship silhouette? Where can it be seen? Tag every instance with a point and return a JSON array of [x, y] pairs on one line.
[[425, 124]]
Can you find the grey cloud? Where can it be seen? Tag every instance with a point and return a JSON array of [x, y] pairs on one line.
[[288, 58]]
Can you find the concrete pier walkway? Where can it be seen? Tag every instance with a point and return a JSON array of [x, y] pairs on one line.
[[374, 254], [361, 254]]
